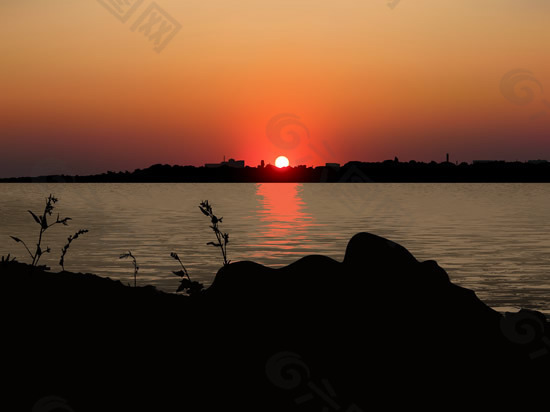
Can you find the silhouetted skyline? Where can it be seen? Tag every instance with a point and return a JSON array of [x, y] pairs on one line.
[[351, 172], [317, 82]]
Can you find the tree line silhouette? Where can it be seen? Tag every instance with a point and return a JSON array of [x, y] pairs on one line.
[[351, 172]]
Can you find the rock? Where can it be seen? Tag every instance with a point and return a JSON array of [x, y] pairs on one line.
[[368, 251], [378, 327]]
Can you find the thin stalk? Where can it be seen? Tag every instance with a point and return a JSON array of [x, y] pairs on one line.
[[38, 249], [136, 267], [184, 270], [24, 244], [221, 244]]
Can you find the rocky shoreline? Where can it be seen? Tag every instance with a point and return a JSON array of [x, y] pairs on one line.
[[315, 334]]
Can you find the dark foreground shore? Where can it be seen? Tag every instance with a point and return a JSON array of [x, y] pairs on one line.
[[379, 328]]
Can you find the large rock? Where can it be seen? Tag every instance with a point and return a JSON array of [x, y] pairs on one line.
[[316, 333]]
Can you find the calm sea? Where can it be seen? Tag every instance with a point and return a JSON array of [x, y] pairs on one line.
[[492, 238]]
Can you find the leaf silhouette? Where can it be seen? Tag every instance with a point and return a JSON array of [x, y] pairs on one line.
[[222, 238], [36, 219], [179, 273], [192, 287], [185, 284]]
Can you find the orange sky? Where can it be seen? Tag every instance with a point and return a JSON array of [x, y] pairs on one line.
[[80, 92]]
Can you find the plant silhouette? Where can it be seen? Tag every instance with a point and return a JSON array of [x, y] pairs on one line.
[[187, 285], [222, 238], [6, 260], [66, 247], [134, 261], [42, 221]]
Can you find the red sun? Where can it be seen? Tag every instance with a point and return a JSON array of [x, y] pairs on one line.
[[282, 161]]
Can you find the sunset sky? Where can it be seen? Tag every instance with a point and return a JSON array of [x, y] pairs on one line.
[[81, 92]]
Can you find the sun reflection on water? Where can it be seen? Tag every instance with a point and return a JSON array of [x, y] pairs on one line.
[[284, 220]]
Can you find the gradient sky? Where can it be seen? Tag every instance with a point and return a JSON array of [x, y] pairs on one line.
[[80, 92]]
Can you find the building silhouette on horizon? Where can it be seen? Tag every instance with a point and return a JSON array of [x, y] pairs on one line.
[[237, 164]]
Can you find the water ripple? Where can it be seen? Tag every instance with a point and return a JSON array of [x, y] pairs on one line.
[[492, 238]]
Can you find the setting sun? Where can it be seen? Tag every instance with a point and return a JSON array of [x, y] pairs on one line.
[[282, 161]]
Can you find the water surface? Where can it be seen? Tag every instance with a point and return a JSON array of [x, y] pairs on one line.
[[492, 238]]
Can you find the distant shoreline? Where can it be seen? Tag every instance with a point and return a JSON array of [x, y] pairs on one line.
[[54, 181], [390, 171]]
